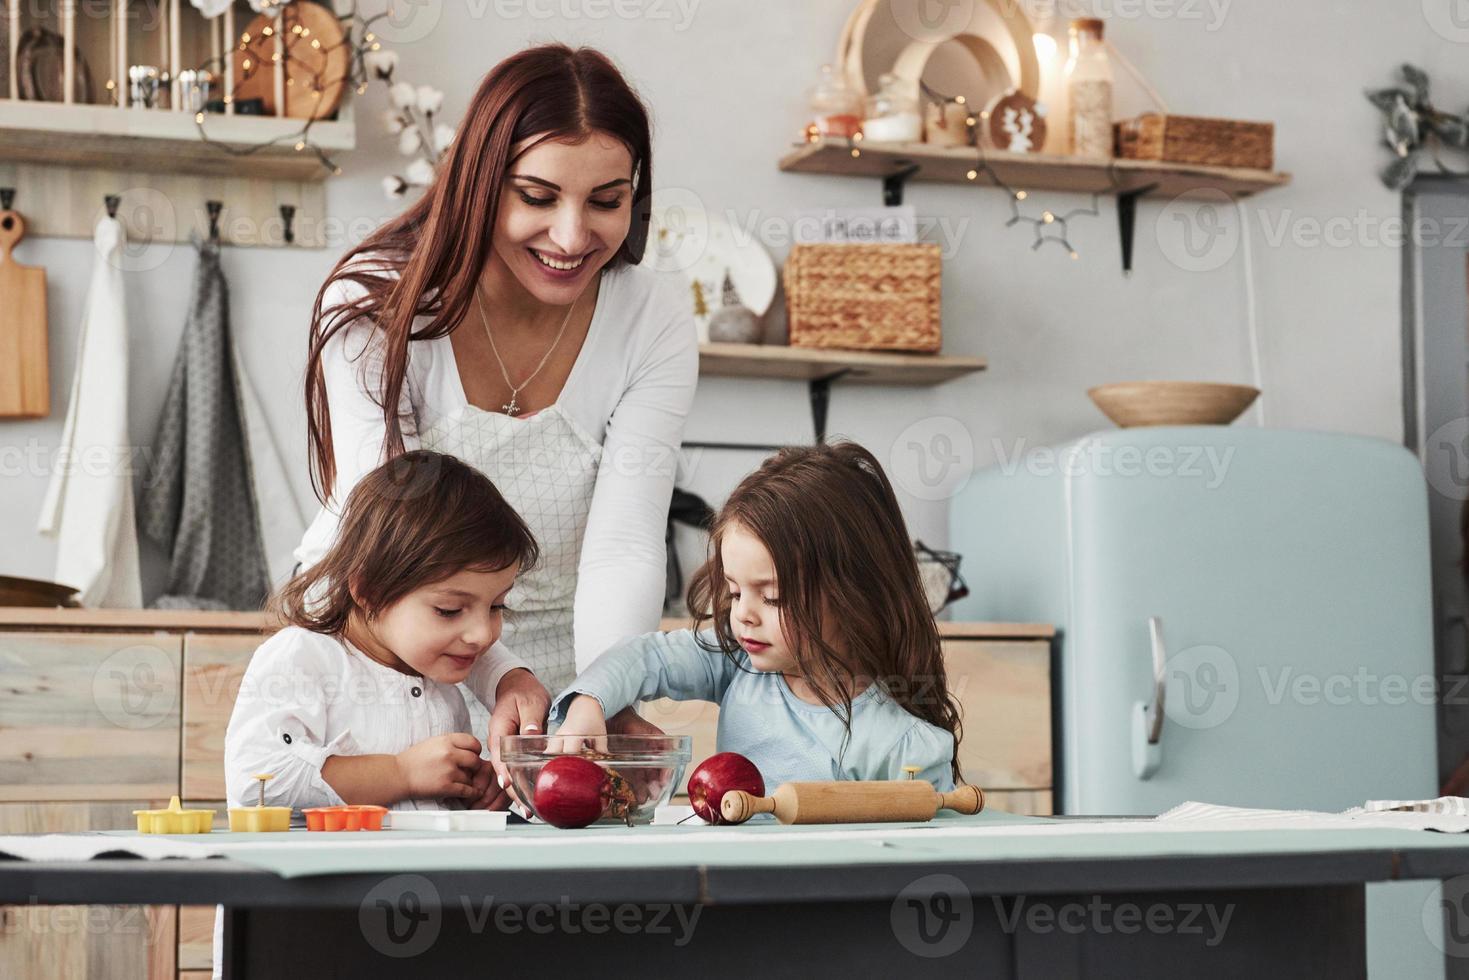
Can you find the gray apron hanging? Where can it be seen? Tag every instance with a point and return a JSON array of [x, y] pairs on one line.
[[199, 501]]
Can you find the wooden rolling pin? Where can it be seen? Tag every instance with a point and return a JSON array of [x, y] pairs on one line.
[[877, 801]]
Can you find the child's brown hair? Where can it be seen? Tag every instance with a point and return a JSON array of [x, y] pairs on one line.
[[415, 520], [850, 597]]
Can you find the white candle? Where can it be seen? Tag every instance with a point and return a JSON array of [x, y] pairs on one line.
[[901, 127]]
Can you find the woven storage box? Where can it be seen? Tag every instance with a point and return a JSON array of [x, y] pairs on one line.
[[865, 297], [1192, 139]]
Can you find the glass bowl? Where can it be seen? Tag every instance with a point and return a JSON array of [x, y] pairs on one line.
[[650, 767]]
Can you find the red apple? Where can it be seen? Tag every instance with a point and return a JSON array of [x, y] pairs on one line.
[[571, 792], [716, 776]]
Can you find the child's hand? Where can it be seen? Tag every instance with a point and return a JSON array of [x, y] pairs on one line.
[[629, 722], [489, 793], [584, 722], [445, 765]]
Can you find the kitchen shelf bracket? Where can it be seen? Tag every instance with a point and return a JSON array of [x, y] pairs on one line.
[[1127, 220], [819, 390], [892, 184]]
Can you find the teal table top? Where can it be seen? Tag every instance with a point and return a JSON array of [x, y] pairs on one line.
[[983, 838]]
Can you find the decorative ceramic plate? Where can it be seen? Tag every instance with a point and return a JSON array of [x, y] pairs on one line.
[[704, 246], [878, 33], [39, 69]]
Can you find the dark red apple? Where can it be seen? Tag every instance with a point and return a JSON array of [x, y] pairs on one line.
[[716, 776], [571, 792]]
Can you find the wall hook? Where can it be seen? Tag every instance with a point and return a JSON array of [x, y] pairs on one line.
[[214, 208], [288, 215], [7, 198], [112, 201]]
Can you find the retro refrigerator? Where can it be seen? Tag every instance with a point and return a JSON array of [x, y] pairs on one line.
[[1243, 617]]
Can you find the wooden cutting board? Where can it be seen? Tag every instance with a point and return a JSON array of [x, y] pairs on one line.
[[308, 66], [25, 390]]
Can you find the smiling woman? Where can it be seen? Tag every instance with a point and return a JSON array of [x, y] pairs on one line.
[[504, 319]]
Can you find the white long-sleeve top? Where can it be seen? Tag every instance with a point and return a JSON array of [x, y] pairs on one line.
[[307, 696], [630, 388]]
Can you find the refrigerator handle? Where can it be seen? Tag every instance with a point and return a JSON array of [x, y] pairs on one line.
[[1147, 719]]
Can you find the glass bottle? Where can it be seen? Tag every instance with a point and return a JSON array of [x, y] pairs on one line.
[[1089, 91], [836, 109], [892, 114]]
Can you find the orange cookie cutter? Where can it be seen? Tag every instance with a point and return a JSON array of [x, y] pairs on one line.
[[346, 817]]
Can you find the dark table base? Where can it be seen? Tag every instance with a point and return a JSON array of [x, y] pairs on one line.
[[934, 928]]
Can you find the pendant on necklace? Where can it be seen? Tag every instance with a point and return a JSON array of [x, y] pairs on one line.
[[511, 409]]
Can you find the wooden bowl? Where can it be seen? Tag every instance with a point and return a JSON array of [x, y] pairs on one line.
[[1134, 403], [35, 594]]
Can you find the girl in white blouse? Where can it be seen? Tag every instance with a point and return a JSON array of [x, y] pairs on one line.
[[355, 700]]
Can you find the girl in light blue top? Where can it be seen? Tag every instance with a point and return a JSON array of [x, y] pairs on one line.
[[821, 650]]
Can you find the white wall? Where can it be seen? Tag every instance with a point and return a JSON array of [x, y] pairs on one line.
[[726, 82]]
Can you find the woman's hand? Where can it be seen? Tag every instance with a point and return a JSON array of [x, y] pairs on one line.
[[521, 705], [442, 766]]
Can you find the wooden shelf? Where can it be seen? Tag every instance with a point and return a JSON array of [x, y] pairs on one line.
[[1030, 171], [163, 141], [856, 367]]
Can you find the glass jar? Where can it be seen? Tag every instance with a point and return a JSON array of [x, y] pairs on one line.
[[1089, 91], [892, 114], [836, 109]]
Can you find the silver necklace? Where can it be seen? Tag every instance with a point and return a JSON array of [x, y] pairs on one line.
[[512, 408]]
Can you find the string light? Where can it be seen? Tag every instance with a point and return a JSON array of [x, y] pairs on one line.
[[1050, 226]]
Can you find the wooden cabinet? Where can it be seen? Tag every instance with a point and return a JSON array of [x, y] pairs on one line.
[[89, 716], [93, 714], [214, 665], [83, 942], [1004, 693], [106, 711], [196, 938]]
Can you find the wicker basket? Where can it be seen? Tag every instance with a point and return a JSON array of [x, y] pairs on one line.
[[865, 297]]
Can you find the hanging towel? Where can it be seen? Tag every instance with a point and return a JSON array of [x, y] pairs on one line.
[[273, 494], [198, 502], [89, 502]]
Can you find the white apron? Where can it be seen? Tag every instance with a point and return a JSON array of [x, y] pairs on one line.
[[546, 467]]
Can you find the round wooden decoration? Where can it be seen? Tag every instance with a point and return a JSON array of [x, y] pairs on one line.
[[879, 31], [1015, 122], [306, 67]]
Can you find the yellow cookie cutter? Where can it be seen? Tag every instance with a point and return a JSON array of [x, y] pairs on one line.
[[174, 820], [260, 819]]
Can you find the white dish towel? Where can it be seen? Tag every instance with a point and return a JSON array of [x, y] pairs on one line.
[[89, 503], [1447, 814]]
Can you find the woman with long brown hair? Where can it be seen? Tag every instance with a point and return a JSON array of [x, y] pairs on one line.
[[503, 318]]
